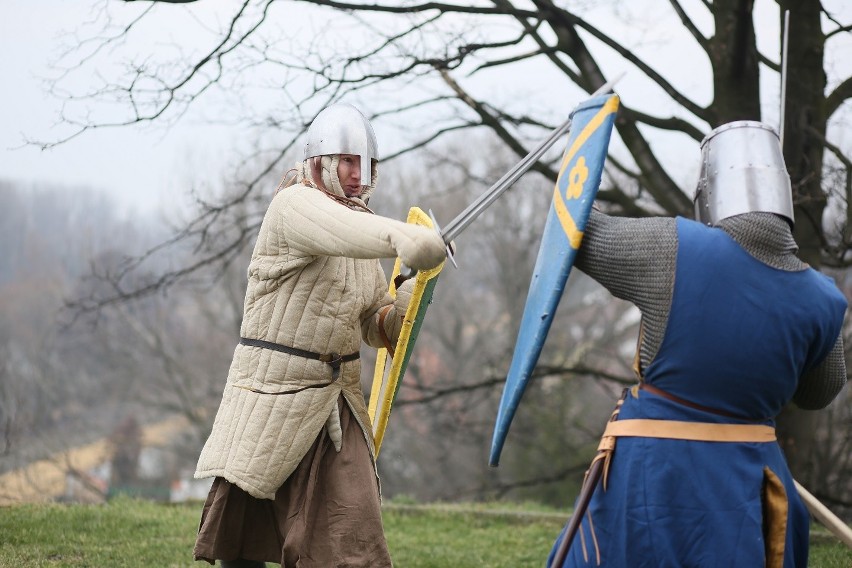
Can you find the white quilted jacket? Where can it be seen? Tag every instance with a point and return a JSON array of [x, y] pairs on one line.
[[314, 283]]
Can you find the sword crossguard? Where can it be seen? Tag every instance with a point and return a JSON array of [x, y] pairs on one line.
[[448, 247], [450, 256]]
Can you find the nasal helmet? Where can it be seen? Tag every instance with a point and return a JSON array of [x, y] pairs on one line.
[[342, 129], [742, 171]]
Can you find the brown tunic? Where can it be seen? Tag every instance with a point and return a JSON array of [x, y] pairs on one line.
[[327, 513]]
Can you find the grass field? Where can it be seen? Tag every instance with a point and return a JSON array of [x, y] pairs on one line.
[[130, 533]]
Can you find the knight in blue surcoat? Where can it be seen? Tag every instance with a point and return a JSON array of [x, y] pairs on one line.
[[734, 328]]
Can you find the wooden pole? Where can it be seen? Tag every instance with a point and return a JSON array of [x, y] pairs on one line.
[[822, 514]]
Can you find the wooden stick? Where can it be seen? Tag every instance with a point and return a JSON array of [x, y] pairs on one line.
[[828, 519]]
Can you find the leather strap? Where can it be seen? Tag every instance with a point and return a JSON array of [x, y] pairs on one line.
[[695, 431], [682, 401], [334, 360]]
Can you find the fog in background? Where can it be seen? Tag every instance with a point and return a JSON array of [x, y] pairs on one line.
[[85, 359]]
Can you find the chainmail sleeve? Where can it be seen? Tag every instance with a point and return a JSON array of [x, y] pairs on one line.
[[635, 260], [819, 386]]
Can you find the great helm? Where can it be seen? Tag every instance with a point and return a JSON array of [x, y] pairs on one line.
[[742, 170], [342, 129]]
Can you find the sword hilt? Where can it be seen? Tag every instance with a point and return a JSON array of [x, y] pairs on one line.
[[405, 273]]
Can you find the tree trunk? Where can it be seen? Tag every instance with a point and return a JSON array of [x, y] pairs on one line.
[[804, 124], [804, 127], [733, 55]]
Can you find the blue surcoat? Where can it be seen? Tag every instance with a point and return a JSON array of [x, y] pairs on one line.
[[740, 334]]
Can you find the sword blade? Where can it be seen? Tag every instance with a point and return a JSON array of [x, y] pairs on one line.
[[472, 211], [590, 483], [455, 227]]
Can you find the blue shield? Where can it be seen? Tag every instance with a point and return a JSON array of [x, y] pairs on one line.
[[576, 187]]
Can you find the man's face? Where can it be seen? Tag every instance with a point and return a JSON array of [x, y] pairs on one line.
[[349, 174]]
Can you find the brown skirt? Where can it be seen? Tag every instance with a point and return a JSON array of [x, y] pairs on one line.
[[327, 513]]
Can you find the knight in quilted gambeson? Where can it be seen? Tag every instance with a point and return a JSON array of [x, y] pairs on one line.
[[291, 450]]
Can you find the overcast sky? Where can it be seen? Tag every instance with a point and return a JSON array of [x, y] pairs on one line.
[[143, 167]]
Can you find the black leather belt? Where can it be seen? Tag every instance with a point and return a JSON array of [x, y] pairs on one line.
[[334, 360]]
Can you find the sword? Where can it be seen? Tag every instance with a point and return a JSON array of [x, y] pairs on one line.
[[820, 512], [573, 524], [590, 483], [455, 227]]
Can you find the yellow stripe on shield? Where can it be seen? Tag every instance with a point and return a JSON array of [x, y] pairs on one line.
[[386, 382]]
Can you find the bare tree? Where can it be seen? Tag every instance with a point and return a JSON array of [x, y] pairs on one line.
[[52, 381], [66, 382], [440, 430], [429, 70]]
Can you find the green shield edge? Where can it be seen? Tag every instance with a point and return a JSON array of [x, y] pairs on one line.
[[386, 385]]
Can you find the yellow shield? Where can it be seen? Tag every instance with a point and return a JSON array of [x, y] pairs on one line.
[[387, 378]]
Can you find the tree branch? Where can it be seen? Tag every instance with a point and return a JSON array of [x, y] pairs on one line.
[[689, 25], [425, 7], [569, 20], [672, 123], [550, 51], [838, 96], [433, 394], [489, 120], [503, 488], [214, 55], [841, 28]]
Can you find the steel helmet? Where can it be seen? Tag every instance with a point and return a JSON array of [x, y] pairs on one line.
[[742, 171], [343, 129]]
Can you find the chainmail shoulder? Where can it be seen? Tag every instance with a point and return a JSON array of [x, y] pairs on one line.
[[766, 237], [635, 259]]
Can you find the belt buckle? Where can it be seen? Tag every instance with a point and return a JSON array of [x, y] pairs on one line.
[[333, 359]]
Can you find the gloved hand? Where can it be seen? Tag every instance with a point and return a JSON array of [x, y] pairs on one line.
[[403, 297], [390, 320], [421, 248]]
